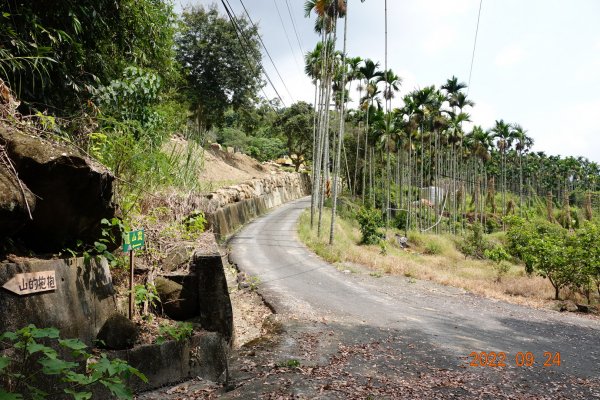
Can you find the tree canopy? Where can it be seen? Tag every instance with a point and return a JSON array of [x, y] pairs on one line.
[[296, 125], [221, 64], [54, 53]]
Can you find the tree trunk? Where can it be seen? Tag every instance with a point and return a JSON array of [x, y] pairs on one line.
[[338, 156], [314, 164]]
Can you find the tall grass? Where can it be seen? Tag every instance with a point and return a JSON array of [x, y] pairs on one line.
[[430, 257]]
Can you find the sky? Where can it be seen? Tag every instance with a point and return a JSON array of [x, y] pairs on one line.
[[537, 62]]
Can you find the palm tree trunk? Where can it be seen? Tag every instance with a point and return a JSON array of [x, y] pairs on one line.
[[520, 183], [336, 168], [314, 151], [366, 151]]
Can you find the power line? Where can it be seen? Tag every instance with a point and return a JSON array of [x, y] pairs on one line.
[[294, 26], [287, 36], [237, 32], [474, 45], [240, 34], [266, 51]]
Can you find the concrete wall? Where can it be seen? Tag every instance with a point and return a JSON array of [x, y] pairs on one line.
[[236, 205], [203, 355], [83, 300]]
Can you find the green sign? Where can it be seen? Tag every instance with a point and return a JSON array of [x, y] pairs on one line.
[[133, 240]]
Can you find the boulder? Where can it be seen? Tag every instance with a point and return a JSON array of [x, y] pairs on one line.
[[118, 333], [15, 198], [177, 257], [242, 280], [73, 193], [178, 301], [584, 308], [567, 305], [402, 241]]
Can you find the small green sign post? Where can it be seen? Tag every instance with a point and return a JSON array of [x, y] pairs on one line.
[[132, 240]]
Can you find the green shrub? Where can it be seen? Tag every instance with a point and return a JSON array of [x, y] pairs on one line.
[[231, 137], [400, 220], [264, 148], [146, 294], [497, 254], [433, 247], [474, 244], [370, 222], [31, 352], [546, 250], [177, 332], [500, 257], [491, 225], [194, 224]]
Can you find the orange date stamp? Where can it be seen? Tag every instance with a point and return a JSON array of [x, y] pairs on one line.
[[521, 359]]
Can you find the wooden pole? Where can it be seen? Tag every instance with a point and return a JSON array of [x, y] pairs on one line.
[[131, 284]]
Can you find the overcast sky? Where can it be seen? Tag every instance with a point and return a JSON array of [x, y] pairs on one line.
[[537, 62]]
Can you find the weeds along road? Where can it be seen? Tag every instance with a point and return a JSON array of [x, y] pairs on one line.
[[411, 335]]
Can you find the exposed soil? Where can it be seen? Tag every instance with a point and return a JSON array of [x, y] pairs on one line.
[[220, 166]]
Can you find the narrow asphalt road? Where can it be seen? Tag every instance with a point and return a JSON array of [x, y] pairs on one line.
[[443, 325]]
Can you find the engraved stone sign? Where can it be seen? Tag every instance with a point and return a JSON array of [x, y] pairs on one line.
[[32, 282]]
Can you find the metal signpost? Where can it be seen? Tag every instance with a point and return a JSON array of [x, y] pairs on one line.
[[133, 240]]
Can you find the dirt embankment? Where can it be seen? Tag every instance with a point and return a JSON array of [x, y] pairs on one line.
[[216, 168], [220, 166]]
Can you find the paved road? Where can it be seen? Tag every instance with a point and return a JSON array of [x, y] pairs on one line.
[[447, 323]]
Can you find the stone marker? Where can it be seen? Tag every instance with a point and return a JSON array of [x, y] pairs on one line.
[[32, 282]]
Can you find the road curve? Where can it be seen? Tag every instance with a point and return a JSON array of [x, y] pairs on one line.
[[297, 282]]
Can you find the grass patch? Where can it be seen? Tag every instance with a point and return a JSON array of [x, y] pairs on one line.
[[431, 257]]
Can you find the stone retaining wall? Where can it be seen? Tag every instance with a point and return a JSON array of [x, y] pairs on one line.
[[233, 206]]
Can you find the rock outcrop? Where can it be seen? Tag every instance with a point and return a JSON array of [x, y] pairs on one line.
[[118, 333], [179, 301], [68, 193], [16, 201]]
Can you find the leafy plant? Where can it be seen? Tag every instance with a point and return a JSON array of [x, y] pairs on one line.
[[370, 221], [291, 363], [500, 258], [383, 247], [253, 282], [585, 253], [112, 231], [177, 332], [474, 244], [543, 246], [31, 352], [194, 224], [146, 294]]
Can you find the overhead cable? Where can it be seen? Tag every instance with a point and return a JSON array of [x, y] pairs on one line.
[[294, 26], [240, 35], [266, 50], [287, 36], [474, 46]]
